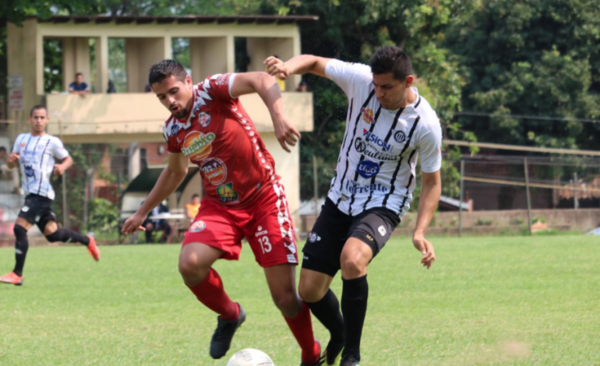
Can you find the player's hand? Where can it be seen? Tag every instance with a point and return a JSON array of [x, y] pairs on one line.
[[133, 224], [59, 169], [13, 158], [276, 67], [286, 133], [426, 248]]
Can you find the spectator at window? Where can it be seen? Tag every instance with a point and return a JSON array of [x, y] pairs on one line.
[[302, 87], [111, 87], [153, 224], [79, 86]]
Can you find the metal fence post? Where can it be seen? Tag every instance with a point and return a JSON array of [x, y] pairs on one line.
[[528, 196], [64, 186], [315, 184], [462, 190]]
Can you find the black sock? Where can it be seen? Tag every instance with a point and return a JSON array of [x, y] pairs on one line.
[[21, 247], [67, 236], [327, 310], [354, 308]]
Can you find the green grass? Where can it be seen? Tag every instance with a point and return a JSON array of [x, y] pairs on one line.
[[486, 301]]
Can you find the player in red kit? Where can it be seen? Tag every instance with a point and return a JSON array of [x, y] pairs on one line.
[[242, 194]]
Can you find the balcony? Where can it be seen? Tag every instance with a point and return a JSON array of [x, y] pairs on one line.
[[123, 118]]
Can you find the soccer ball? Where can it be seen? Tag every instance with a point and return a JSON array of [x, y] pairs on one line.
[[250, 357]]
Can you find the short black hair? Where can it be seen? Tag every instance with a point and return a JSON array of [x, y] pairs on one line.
[[2, 148], [194, 196], [79, 73], [36, 107], [165, 68], [391, 59]]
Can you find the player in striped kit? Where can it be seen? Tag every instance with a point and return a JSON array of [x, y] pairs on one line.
[[388, 126], [36, 153]]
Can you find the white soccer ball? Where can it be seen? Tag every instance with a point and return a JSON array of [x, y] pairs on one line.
[[250, 357]]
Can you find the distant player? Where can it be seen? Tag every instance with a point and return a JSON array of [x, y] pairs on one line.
[[389, 125], [36, 153], [243, 196]]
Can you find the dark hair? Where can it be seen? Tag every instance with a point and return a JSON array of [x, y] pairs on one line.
[[165, 68], [194, 196], [79, 73], [36, 107], [391, 59], [2, 148]]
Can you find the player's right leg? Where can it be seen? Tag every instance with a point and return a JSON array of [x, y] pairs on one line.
[[213, 235], [21, 246], [321, 263]]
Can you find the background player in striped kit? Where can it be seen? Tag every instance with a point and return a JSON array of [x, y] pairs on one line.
[[36, 153], [389, 124]]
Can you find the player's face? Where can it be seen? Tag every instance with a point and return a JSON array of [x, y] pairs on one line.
[[176, 95], [390, 92], [196, 200], [79, 79], [39, 120]]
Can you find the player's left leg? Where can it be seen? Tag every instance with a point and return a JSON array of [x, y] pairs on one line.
[[270, 234], [355, 259], [282, 284], [53, 234], [368, 234]]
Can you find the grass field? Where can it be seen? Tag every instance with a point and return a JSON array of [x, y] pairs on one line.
[[486, 301]]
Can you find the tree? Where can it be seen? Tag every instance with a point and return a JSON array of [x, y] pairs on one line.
[[533, 58]]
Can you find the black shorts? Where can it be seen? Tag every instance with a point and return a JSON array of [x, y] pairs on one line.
[[333, 228], [37, 211]]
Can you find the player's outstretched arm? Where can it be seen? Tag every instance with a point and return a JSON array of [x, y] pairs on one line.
[[166, 184], [13, 160], [301, 64], [267, 88], [431, 190], [60, 169]]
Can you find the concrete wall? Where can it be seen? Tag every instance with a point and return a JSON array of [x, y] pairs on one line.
[[115, 118], [211, 55], [141, 53]]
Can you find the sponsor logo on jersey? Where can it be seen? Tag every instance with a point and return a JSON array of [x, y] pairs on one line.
[[28, 169], [204, 119], [214, 170], [227, 194], [371, 137], [314, 237], [197, 146], [400, 136], [197, 226], [362, 147], [382, 230], [260, 231], [354, 188], [367, 169], [175, 129], [367, 114]]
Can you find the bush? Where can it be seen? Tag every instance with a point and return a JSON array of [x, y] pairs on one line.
[[484, 222], [104, 216], [517, 221]]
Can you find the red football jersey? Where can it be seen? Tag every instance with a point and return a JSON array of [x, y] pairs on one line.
[[219, 136]]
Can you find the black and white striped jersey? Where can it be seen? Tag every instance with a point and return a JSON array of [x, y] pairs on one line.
[[376, 165], [37, 156]]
